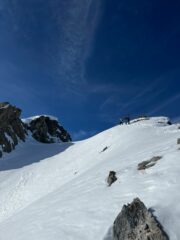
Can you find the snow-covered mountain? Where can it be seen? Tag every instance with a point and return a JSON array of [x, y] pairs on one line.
[[59, 191]]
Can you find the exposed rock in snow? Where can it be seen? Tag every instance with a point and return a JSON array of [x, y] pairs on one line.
[[111, 178], [150, 163], [46, 129], [178, 141], [11, 128], [135, 222], [104, 149]]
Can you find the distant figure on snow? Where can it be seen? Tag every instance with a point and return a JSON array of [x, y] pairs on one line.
[[126, 120], [121, 121]]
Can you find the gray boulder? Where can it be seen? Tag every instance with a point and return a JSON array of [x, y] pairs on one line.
[[111, 178], [149, 163], [135, 222]]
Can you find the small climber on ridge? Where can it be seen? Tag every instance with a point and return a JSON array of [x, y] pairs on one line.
[[121, 121], [126, 120]]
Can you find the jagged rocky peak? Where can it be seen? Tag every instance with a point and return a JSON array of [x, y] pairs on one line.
[[11, 127], [46, 129]]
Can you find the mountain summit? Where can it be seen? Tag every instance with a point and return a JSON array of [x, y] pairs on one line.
[[13, 130]]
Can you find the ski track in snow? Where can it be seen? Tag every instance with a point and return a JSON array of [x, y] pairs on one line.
[[59, 191]]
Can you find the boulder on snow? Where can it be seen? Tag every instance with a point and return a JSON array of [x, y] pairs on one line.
[[46, 129], [12, 128], [111, 178], [178, 141], [135, 222], [150, 163]]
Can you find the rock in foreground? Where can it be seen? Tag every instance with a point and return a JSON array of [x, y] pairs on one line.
[[135, 222]]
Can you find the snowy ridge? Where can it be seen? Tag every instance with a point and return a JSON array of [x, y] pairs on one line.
[[60, 191]]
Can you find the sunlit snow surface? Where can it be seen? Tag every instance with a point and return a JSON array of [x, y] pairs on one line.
[[59, 192]]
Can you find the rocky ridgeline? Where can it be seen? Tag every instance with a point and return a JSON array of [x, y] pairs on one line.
[[135, 222], [46, 129], [13, 130]]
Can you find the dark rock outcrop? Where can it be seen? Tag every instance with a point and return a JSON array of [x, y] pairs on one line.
[[178, 141], [111, 178], [44, 129], [47, 130], [135, 222], [148, 164], [11, 127]]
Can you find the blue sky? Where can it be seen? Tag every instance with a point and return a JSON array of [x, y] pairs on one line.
[[90, 62]]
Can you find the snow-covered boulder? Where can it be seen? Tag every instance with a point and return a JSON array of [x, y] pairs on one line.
[[136, 222]]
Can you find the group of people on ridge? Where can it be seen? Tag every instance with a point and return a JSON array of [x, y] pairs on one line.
[[125, 120]]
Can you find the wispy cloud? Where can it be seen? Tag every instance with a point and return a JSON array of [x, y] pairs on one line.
[[170, 100], [76, 24], [66, 31], [128, 99]]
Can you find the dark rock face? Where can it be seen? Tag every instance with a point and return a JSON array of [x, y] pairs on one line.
[[111, 178], [150, 163], [135, 222], [178, 141], [47, 130], [11, 127]]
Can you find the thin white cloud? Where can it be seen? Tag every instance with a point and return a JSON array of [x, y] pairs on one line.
[[166, 103], [77, 25]]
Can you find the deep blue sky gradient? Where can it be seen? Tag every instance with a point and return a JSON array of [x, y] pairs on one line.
[[90, 62]]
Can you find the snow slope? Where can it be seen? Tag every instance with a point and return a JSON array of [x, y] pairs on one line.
[[59, 192]]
